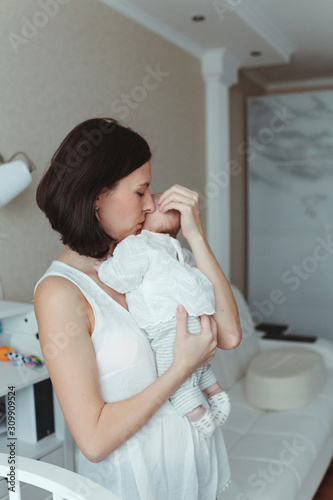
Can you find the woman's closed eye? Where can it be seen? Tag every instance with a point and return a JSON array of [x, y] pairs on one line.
[[140, 194]]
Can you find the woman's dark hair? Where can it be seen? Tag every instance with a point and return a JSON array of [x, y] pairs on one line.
[[95, 155]]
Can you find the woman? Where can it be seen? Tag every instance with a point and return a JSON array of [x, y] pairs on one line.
[[95, 193]]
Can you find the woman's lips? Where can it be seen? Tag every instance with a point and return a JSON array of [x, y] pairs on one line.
[[140, 228]]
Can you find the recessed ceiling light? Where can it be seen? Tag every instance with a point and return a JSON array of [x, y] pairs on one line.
[[198, 18], [256, 53]]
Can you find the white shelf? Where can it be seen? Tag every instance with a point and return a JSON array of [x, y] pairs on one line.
[[8, 309], [55, 448], [32, 450], [20, 376]]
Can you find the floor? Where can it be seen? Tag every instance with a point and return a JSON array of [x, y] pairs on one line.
[[325, 491]]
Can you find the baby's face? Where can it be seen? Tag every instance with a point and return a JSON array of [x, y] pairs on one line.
[[157, 222]]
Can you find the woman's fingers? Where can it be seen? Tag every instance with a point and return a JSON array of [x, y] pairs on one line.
[[177, 205], [181, 315], [178, 194], [213, 325], [194, 350], [208, 324], [177, 189], [187, 203], [209, 327], [180, 190], [214, 332], [181, 199]]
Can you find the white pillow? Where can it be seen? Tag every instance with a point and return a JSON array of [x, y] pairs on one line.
[[284, 378]]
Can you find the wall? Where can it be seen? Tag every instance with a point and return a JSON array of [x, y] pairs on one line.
[[78, 63], [238, 186]]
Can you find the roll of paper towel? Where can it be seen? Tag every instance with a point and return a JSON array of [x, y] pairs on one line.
[[14, 178]]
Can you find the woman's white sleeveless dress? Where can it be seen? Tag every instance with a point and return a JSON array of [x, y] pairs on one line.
[[168, 459]]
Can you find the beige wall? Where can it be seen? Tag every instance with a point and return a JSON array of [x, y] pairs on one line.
[[238, 186], [73, 68]]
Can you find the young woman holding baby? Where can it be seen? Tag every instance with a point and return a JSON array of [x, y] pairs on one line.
[[130, 437]]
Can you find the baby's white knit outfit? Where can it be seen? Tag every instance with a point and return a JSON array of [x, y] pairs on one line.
[[157, 274]]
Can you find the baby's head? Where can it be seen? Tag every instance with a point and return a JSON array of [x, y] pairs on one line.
[[159, 222]]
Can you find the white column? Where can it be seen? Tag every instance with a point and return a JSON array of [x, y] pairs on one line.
[[220, 69]]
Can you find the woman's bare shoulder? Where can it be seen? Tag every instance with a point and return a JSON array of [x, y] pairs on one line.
[[56, 293], [59, 302], [54, 286]]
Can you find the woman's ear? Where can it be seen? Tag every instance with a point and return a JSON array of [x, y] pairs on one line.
[[96, 212]]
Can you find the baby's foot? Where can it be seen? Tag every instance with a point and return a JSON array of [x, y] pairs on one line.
[[203, 421], [220, 407]]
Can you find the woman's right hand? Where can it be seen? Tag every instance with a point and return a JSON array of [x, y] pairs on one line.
[[193, 350]]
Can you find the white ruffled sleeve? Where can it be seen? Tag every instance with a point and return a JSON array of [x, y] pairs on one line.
[[125, 269]]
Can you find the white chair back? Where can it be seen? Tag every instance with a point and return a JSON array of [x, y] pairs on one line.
[[63, 484]]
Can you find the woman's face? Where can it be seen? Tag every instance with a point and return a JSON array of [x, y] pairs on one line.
[[122, 210]]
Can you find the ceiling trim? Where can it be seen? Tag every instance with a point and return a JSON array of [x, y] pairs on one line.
[[252, 16], [300, 84], [256, 78], [306, 83], [142, 17]]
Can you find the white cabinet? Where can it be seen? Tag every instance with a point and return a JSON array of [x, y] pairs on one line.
[[26, 382]]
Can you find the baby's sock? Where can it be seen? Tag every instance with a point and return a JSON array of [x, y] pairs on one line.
[[219, 403], [202, 420]]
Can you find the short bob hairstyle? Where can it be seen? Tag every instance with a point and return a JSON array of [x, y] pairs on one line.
[[95, 155]]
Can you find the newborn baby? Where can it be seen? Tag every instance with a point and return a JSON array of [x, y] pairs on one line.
[[156, 275]]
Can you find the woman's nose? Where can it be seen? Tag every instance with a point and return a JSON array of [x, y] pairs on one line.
[[149, 205]]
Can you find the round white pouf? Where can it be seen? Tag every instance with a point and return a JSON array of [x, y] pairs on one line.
[[284, 378]]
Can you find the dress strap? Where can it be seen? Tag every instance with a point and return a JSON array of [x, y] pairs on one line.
[[91, 291], [95, 295]]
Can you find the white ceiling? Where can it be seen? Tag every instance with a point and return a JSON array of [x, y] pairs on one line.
[[295, 37]]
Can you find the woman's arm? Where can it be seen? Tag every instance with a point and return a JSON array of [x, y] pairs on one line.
[[229, 333], [64, 331]]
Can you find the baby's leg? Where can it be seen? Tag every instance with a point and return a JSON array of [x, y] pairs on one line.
[[202, 420], [218, 399], [213, 389], [207, 377], [162, 338], [188, 399], [219, 403]]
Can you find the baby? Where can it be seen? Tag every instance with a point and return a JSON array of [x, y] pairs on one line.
[[157, 274]]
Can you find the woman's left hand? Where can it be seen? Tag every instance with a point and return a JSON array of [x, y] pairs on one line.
[[187, 203]]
